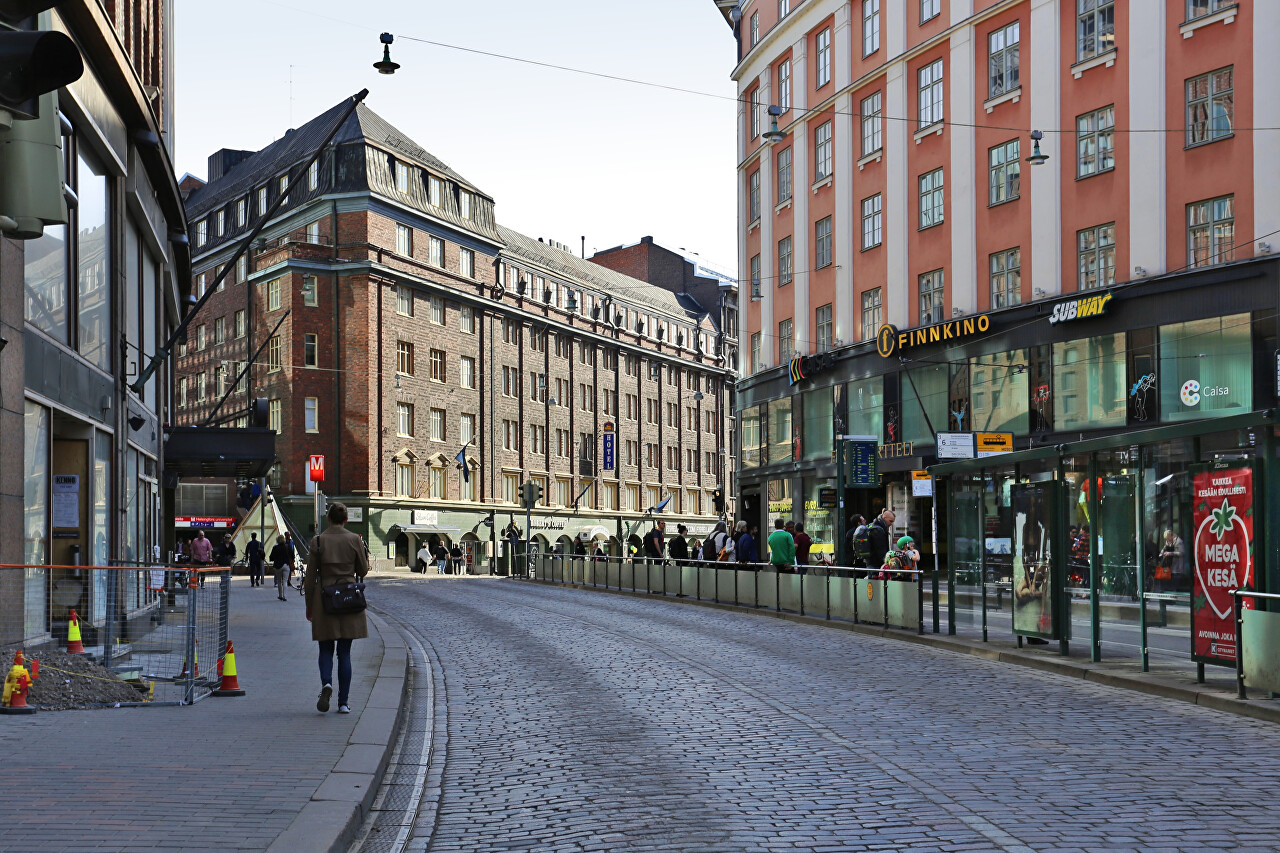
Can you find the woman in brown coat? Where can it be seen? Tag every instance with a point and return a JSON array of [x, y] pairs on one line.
[[337, 557]]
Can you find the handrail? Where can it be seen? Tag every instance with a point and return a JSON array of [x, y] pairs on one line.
[[1236, 596]]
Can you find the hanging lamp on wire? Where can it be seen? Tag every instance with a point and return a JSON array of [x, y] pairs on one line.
[[386, 66], [1036, 158]]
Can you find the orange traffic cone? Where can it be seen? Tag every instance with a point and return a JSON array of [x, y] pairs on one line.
[[16, 687], [227, 668], [196, 671], [74, 646]]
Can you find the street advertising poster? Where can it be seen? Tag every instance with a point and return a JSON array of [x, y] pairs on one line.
[[1223, 519], [1032, 562]]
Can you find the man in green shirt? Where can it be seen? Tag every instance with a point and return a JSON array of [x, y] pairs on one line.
[[782, 548]]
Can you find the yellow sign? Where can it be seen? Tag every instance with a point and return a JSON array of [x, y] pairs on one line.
[[889, 340], [919, 475], [1076, 309], [991, 443]]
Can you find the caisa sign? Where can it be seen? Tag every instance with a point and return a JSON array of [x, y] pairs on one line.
[[1223, 558], [315, 469]]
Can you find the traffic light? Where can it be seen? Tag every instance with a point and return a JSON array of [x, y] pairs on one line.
[[530, 494], [717, 499], [259, 413]]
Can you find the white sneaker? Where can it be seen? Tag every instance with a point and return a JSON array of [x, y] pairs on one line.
[[344, 709]]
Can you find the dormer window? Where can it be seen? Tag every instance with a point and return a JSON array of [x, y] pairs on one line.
[[402, 177], [465, 204], [434, 185]]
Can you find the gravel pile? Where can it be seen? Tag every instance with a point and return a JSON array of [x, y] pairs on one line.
[[81, 684]]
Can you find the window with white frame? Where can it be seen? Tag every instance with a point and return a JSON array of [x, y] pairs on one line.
[[784, 176], [753, 196], [273, 295], [202, 336], [284, 188], [1200, 8], [467, 428], [467, 263], [822, 243], [1211, 109], [784, 6], [275, 415], [1006, 278], [755, 111], [1096, 256], [220, 330], [275, 356], [1003, 60], [511, 488], [404, 480], [822, 58], [465, 203], [466, 320], [931, 94], [402, 177], [437, 425], [437, 310], [510, 435], [404, 300], [404, 358], [311, 414], [871, 320], [313, 175], [930, 9], [404, 240], [202, 232], [872, 224], [219, 223], [1095, 142], [435, 483], [310, 295], [755, 28], [784, 84], [1095, 28], [822, 151], [404, 419], [784, 261], [242, 212], [755, 352], [872, 123], [870, 26], [822, 323], [239, 323], [310, 350], [435, 252], [262, 200], [1006, 171], [434, 187], [931, 297], [1211, 231], [467, 371], [755, 275], [932, 201], [786, 340]]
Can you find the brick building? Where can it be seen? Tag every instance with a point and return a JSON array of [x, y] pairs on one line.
[[398, 324]]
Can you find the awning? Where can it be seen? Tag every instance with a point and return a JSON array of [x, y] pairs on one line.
[[425, 528], [245, 452], [595, 532]]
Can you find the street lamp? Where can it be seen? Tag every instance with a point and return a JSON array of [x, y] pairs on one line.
[[1036, 158], [386, 66], [773, 134]]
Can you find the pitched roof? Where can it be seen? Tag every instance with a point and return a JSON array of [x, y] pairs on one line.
[[296, 145], [607, 281]]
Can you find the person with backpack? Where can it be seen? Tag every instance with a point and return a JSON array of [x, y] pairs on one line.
[[857, 542], [256, 556], [879, 534], [678, 548], [748, 551], [719, 546]]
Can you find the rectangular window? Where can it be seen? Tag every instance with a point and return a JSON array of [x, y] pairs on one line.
[[1006, 278], [311, 414], [822, 151], [784, 84], [434, 186], [404, 480], [404, 240], [784, 176], [404, 419], [219, 223], [786, 341], [435, 484], [1095, 28], [930, 78], [931, 297], [930, 9], [822, 322], [437, 310], [467, 429], [275, 356], [310, 346], [870, 26], [242, 266], [437, 425], [511, 488], [755, 28], [438, 370], [755, 116], [872, 226], [1217, 354], [310, 292], [1095, 142], [242, 212], [273, 295], [467, 372], [753, 196], [822, 58], [220, 380], [435, 252], [182, 391], [467, 263], [313, 175], [262, 200], [239, 324], [467, 320], [784, 261], [1096, 254], [402, 177], [404, 358], [275, 415], [1006, 172], [931, 199], [202, 232], [220, 330], [822, 243], [755, 352], [1211, 231], [201, 381], [1089, 387], [872, 123], [1200, 8], [784, 6], [404, 300], [1003, 60], [510, 435], [1211, 106], [465, 204], [871, 321]]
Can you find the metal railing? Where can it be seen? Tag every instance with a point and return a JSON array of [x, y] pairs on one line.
[[162, 629], [838, 593], [1238, 596]]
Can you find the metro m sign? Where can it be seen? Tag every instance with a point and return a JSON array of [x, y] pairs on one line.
[[315, 469]]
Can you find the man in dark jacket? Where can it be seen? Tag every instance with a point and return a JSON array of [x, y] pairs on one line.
[[880, 537], [655, 541], [255, 556], [678, 549], [803, 544], [746, 547]]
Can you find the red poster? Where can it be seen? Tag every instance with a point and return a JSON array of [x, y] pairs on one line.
[[1223, 549]]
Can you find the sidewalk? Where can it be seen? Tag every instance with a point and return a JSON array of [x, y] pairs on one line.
[[227, 773]]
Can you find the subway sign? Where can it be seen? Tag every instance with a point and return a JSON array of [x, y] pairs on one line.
[[1080, 308], [890, 341]]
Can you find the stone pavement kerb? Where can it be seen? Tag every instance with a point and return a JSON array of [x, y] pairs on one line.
[[332, 819]]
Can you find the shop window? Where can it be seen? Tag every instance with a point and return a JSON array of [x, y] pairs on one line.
[[780, 505], [752, 438], [924, 404], [998, 388], [865, 407], [1089, 383], [779, 426], [1206, 368], [816, 437]]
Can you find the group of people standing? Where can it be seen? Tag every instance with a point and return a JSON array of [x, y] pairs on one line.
[[441, 557], [738, 546], [283, 557]]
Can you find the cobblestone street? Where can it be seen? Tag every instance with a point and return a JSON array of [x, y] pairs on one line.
[[588, 721]]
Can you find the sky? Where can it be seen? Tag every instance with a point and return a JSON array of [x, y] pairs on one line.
[[563, 155]]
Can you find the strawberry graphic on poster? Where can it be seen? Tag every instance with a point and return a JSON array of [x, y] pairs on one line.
[[1223, 549]]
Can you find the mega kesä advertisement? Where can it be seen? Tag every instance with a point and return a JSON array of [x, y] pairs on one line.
[[1223, 550]]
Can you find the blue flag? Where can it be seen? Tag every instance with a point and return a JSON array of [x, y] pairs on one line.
[[461, 459], [660, 507]]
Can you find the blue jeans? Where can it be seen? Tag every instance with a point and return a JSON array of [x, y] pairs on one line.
[[344, 666]]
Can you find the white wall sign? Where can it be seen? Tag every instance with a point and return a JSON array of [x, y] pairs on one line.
[[66, 500]]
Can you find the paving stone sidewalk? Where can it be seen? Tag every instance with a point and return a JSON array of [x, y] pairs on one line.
[[226, 773]]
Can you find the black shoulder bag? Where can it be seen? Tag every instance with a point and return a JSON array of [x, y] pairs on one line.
[[340, 599]]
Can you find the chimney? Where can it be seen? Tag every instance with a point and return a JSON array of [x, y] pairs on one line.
[[224, 160]]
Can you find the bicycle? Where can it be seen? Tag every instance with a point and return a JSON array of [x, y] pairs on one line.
[[301, 585]]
